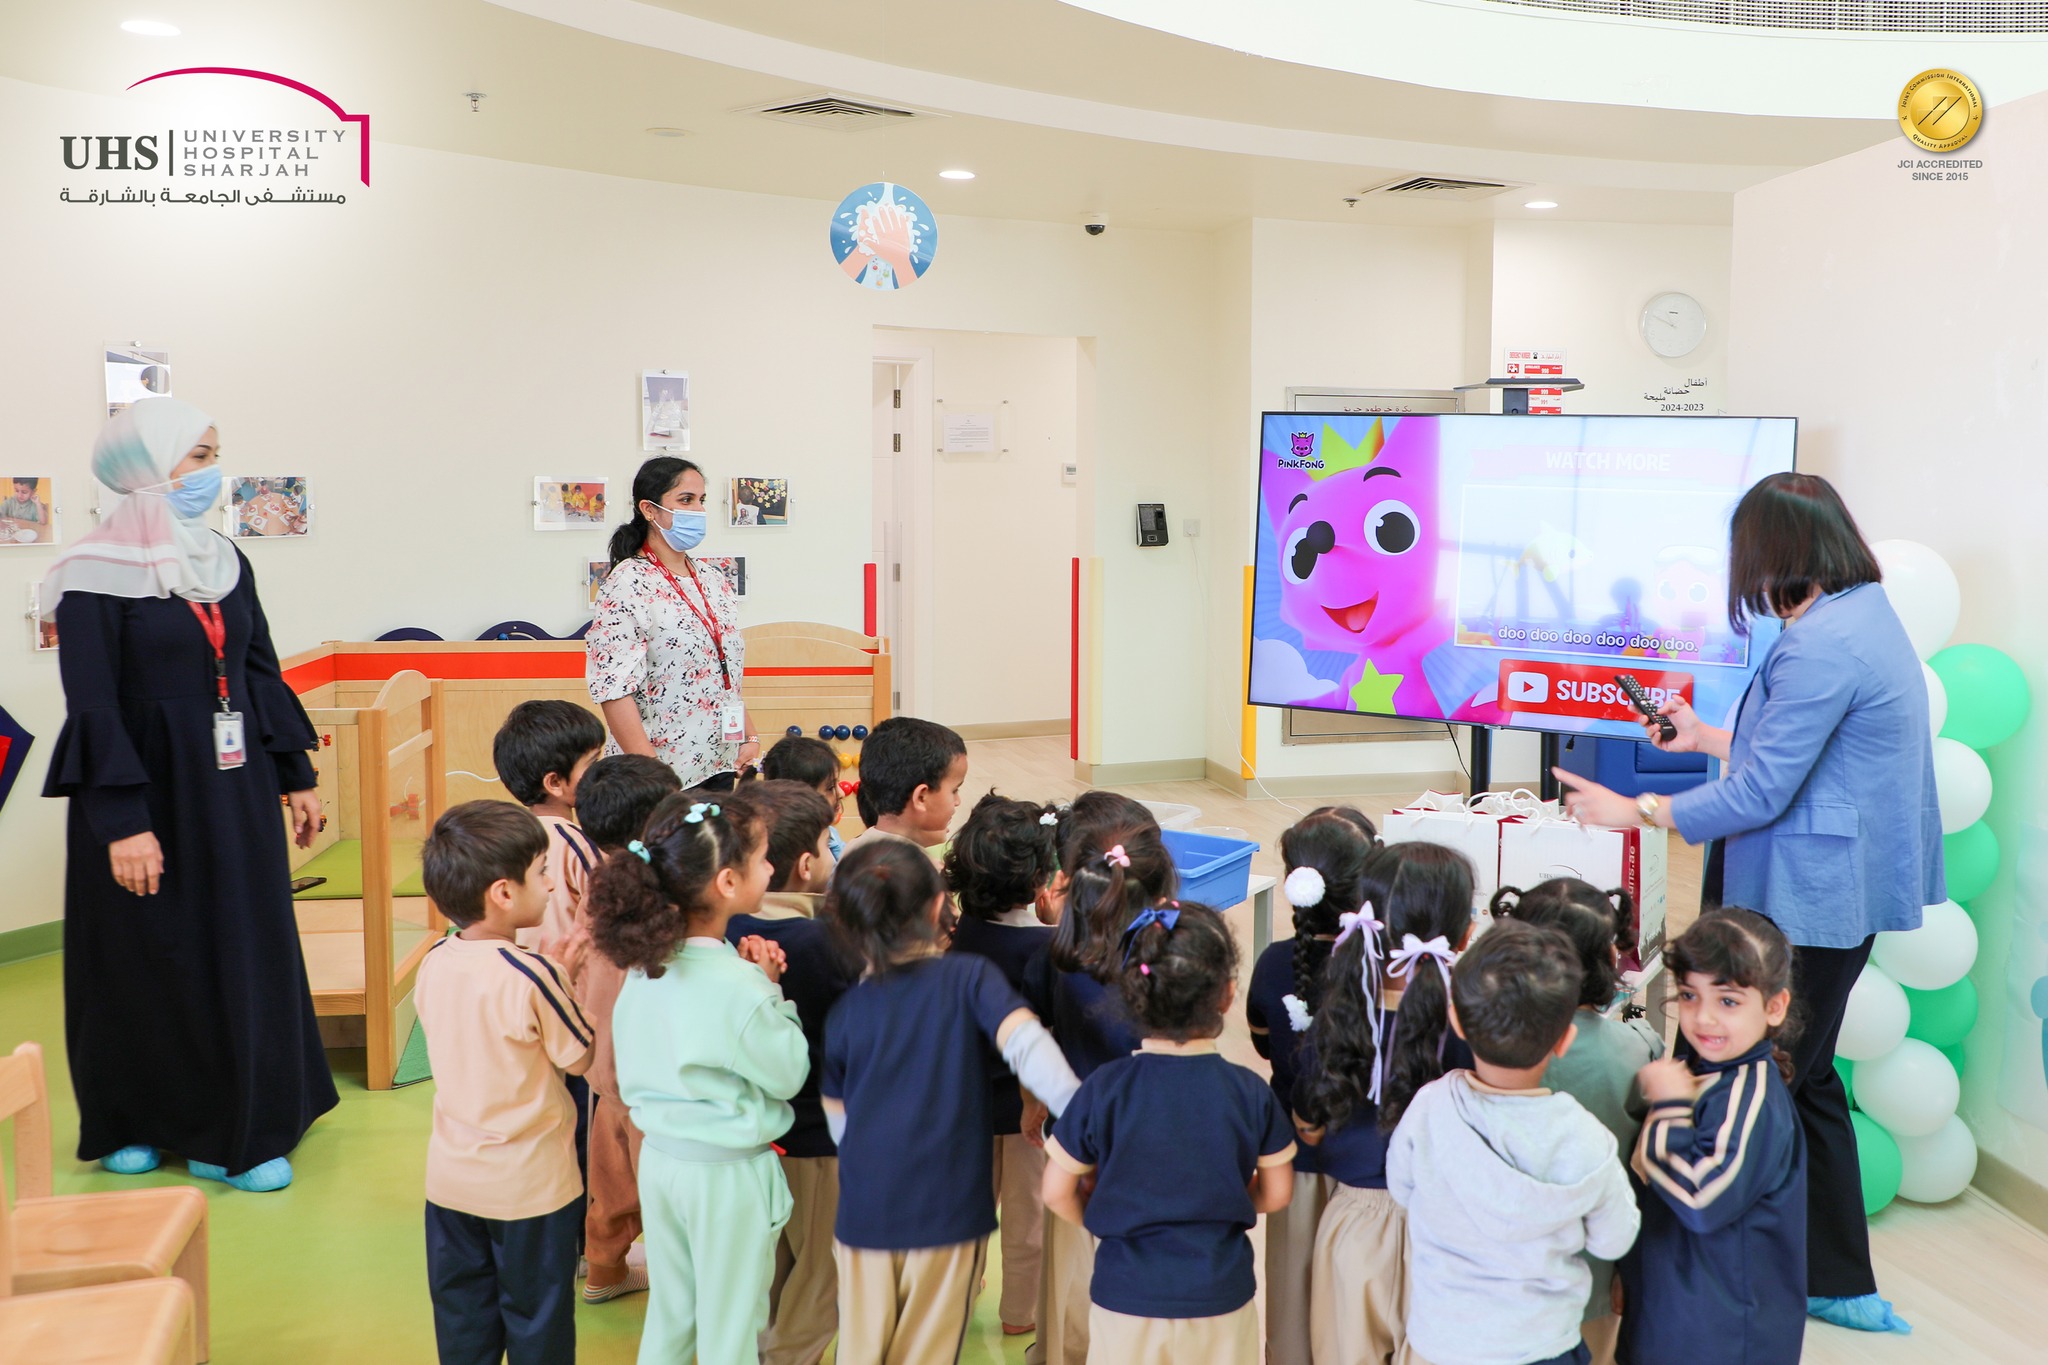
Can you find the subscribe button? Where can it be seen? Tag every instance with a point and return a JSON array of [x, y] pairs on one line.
[[1586, 691]]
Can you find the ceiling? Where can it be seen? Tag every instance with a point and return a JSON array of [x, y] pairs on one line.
[[1060, 112]]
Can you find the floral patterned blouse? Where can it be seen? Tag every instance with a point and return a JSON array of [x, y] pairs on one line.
[[646, 644]]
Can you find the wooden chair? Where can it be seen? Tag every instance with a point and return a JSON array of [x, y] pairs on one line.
[[123, 1272]]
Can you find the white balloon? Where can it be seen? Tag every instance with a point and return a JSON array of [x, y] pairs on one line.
[[1923, 591], [1940, 1166], [1875, 1019], [1962, 784], [1937, 699], [1939, 953], [1911, 1091]]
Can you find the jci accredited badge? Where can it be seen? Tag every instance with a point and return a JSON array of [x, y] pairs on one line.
[[1940, 110]]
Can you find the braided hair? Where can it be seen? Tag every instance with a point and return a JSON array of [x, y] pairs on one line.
[[1334, 841]]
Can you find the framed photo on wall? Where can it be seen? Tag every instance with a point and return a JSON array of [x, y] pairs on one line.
[[28, 510], [664, 410], [568, 504], [42, 634], [759, 502], [134, 374], [268, 506]]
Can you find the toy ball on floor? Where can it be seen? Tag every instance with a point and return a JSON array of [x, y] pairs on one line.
[[794, 732], [860, 732]]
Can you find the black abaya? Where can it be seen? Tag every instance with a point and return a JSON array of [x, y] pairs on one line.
[[188, 1017]]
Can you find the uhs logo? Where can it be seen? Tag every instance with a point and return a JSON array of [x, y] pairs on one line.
[[110, 153]]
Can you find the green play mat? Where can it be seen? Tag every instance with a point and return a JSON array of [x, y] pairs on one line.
[[342, 865]]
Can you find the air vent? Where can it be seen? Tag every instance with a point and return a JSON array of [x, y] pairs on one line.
[[837, 112], [1832, 16], [1439, 187]]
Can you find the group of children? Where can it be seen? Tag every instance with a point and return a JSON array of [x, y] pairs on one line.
[[819, 1080]]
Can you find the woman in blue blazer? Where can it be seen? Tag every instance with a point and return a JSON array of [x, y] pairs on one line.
[[1826, 816]]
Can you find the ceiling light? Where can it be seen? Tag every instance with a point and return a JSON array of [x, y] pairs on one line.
[[149, 28], [956, 175], [669, 132], [1541, 204]]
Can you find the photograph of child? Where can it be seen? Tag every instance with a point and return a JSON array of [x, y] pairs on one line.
[[664, 410], [268, 505], [760, 502], [133, 375], [568, 504], [28, 510]]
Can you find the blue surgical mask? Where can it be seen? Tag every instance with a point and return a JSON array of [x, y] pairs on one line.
[[685, 531], [196, 492]]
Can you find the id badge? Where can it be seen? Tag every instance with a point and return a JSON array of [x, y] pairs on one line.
[[733, 723], [227, 740]]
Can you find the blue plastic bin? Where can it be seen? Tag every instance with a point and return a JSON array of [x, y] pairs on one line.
[[1216, 872]]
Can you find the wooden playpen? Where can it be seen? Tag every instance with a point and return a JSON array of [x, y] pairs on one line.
[[406, 730]]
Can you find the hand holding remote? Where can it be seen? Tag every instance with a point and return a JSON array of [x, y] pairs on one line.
[[1665, 731]]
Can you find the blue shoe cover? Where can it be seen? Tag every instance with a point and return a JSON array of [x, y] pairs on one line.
[[1864, 1313], [273, 1174], [133, 1159]]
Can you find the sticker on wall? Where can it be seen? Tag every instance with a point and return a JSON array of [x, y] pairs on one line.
[[760, 502], [664, 410], [568, 504], [28, 510], [734, 567], [269, 506], [884, 236], [133, 373]]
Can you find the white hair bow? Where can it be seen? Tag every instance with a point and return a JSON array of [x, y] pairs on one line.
[[1401, 962]]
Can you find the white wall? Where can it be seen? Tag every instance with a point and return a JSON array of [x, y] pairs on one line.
[[1899, 320], [1010, 515], [422, 352]]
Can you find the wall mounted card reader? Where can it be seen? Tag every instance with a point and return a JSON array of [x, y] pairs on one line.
[[1151, 524]]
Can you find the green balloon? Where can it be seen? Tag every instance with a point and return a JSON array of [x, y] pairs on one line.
[[1944, 1017], [1987, 694], [1877, 1156], [1954, 1053], [1970, 856], [1846, 1069]]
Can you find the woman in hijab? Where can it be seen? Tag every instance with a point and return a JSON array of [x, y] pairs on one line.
[[189, 1022]]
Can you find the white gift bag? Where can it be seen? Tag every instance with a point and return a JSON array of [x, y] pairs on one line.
[[1446, 818], [1536, 848]]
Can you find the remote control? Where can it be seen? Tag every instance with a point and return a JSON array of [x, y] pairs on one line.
[[1641, 701]]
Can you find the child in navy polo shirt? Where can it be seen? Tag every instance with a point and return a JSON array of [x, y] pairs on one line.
[[1112, 866], [1720, 1273], [1408, 893], [999, 870], [803, 1298], [1183, 1151], [1324, 853], [909, 1098]]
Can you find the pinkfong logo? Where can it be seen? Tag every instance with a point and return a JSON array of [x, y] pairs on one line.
[[226, 153], [1302, 444]]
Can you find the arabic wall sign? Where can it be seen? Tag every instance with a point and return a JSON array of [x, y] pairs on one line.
[[884, 236], [311, 159]]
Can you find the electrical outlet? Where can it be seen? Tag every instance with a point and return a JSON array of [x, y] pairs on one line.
[[1070, 474], [1191, 528]]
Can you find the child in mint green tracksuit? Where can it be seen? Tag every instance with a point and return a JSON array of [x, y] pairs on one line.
[[709, 1054]]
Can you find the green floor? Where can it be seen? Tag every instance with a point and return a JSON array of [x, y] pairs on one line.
[[332, 1269]]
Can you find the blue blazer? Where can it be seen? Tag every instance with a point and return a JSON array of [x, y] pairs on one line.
[[1828, 804]]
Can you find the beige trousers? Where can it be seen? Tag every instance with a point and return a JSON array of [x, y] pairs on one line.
[[907, 1307], [1290, 1244], [803, 1298], [1358, 1279], [1067, 1267], [611, 1221], [1602, 1336], [1020, 1178], [1117, 1339]]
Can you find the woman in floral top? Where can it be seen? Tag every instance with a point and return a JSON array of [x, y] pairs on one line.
[[665, 650]]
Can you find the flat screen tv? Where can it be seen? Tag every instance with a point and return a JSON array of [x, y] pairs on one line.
[[1501, 570]]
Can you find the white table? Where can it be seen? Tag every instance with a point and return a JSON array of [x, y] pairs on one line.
[[1260, 894]]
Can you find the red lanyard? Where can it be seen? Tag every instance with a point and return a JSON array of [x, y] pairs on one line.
[[706, 616], [216, 629]]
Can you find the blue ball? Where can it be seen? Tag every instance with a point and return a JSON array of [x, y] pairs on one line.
[[842, 732], [860, 732], [825, 732], [794, 731]]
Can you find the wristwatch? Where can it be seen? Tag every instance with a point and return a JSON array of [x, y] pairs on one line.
[[1647, 805]]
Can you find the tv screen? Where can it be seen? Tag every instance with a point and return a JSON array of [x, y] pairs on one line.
[[1501, 570]]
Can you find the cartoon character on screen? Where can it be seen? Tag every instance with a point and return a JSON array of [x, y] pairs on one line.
[[1691, 595], [1359, 535]]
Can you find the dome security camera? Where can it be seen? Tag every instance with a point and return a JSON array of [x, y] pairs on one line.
[[1096, 224]]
